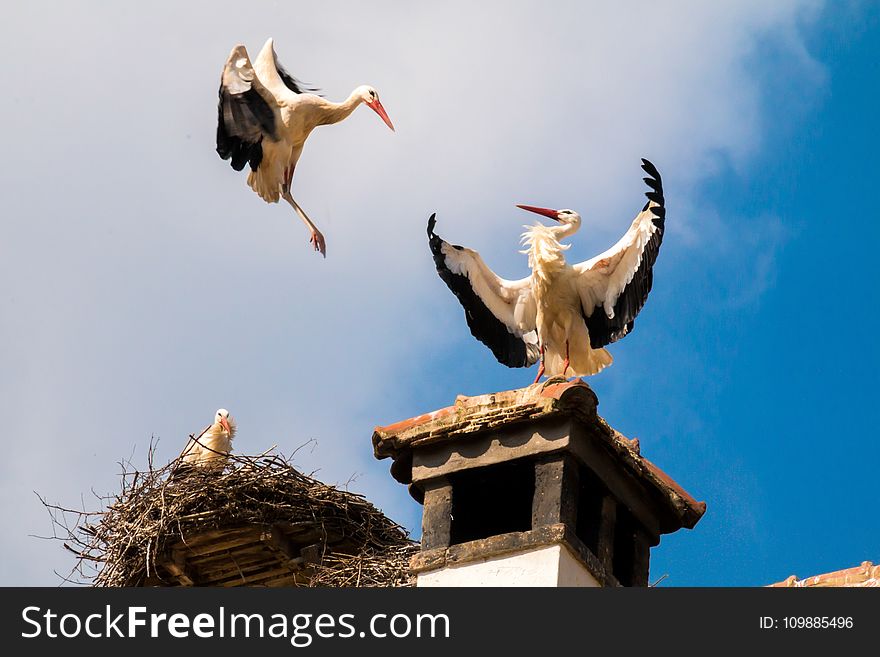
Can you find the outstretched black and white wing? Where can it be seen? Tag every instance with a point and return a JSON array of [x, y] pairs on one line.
[[247, 113], [500, 313], [615, 284]]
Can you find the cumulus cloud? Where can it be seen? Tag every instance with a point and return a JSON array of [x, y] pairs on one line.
[[145, 285]]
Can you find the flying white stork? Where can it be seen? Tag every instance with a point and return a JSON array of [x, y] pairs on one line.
[[264, 118], [210, 448], [562, 315]]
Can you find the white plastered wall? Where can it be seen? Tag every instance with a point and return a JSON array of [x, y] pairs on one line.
[[551, 565]]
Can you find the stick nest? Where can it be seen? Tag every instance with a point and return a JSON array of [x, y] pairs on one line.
[[121, 544]]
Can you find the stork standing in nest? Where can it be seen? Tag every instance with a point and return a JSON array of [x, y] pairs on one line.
[[211, 448], [265, 116], [560, 315]]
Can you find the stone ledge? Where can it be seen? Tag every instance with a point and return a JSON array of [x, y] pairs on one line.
[[502, 544]]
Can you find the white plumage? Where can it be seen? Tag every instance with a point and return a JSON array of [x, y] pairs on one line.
[[265, 116], [211, 448], [560, 315]]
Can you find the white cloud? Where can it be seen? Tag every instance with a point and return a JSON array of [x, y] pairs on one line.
[[145, 285]]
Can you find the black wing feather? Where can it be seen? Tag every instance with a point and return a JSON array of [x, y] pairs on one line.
[[242, 120], [509, 349], [296, 86], [604, 331]]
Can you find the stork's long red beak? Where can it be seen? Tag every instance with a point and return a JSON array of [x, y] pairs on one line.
[[225, 424], [376, 106], [547, 212]]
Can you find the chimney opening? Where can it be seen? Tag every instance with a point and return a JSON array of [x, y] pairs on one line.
[[591, 492], [623, 561], [492, 500]]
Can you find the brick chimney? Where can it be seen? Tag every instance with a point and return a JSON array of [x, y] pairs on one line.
[[531, 487]]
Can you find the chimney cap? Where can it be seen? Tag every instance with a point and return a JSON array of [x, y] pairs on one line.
[[470, 416]]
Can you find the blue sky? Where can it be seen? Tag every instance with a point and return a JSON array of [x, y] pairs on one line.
[[144, 285]]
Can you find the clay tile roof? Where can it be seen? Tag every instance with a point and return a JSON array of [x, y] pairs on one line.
[[867, 574], [472, 414]]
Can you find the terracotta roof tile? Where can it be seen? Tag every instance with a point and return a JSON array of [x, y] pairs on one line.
[[867, 575]]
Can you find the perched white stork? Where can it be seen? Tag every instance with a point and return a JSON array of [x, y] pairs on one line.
[[562, 315], [211, 448], [264, 118]]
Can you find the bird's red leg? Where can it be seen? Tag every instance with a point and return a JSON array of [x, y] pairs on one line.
[[540, 368], [316, 239], [566, 362]]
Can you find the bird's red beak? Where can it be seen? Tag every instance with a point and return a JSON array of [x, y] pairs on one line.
[[376, 106], [225, 424], [547, 212]]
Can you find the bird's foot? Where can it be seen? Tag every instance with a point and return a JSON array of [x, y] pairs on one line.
[[317, 241], [540, 374]]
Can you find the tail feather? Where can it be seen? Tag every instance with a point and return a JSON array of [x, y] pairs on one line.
[[583, 359], [265, 183], [582, 362], [267, 179]]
